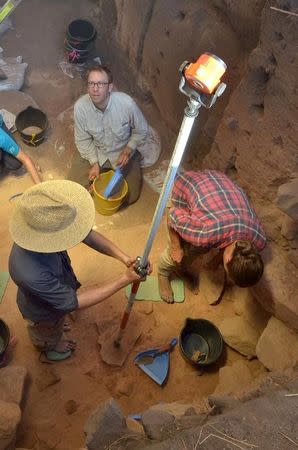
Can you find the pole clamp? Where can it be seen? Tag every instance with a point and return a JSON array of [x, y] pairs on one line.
[[142, 271]]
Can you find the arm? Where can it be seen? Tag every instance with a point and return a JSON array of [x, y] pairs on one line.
[[124, 156], [30, 166], [138, 124], [9, 145], [139, 132], [83, 140], [103, 245], [61, 297], [95, 295]]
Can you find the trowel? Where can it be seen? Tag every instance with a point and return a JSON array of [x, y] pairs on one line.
[[155, 362], [115, 184]]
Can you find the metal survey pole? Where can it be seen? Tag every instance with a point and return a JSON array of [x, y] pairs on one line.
[[191, 111]]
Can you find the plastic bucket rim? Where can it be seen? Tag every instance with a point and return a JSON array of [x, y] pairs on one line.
[[38, 137], [186, 356], [81, 38], [109, 201]]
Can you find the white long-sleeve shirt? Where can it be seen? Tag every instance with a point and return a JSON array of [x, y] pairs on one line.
[[102, 135]]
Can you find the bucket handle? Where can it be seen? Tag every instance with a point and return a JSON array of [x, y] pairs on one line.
[[32, 139], [73, 55]]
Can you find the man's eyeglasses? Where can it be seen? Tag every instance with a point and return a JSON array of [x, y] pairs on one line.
[[99, 84]]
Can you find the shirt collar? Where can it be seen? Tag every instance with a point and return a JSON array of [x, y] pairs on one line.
[[99, 110]]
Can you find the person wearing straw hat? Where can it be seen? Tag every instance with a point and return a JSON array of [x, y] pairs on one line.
[[48, 219], [12, 157], [111, 132], [211, 213]]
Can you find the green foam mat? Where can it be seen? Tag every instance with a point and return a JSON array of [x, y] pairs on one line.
[[4, 277], [148, 290]]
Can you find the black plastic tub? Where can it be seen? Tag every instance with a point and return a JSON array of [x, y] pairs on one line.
[[32, 124], [200, 342], [80, 33]]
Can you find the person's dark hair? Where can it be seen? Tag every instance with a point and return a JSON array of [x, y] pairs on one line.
[[246, 266], [100, 68]]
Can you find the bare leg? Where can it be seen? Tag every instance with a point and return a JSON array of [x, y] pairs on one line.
[[50, 336], [190, 278], [193, 281]]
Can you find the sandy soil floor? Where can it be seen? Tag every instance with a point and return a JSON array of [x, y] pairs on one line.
[[85, 379]]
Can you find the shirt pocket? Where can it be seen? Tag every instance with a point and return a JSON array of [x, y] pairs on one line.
[[96, 132], [121, 132]]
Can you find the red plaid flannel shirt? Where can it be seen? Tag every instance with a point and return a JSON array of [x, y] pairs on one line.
[[209, 210]]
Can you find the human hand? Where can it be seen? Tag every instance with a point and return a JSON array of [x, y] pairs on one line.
[[176, 253], [149, 268], [128, 261], [131, 271], [132, 276], [123, 157], [94, 172]]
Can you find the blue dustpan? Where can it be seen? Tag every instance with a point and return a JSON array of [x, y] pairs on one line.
[[155, 362], [115, 184]]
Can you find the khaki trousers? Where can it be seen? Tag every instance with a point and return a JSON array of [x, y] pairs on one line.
[[45, 335], [192, 255]]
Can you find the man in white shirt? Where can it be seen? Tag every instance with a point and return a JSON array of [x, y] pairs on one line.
[[111, 131]]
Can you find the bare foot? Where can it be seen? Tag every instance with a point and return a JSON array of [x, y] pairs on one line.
[[193, 282], [65, 345], [165, 289]]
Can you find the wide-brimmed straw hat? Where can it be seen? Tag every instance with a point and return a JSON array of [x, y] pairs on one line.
[[52, 216]]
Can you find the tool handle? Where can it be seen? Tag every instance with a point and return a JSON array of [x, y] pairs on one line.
[[166, 347]]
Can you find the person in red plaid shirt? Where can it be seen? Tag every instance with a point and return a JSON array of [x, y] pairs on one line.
[[209, 211]]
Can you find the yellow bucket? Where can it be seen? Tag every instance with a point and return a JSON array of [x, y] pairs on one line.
[[107, 206]]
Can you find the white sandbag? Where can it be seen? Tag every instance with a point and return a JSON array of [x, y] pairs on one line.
[[15, 73]]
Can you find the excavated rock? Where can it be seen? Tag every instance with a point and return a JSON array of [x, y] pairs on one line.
[[238, 333], [158, 424], [277, 290], [104, 426], [246, 306], [256, 143], [10, 417], [277, 348], [287, 198], [234, 378], [12, 381], [267, 422]]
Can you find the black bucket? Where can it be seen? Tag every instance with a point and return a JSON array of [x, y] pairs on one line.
[[79, 40], [201, 342], [32, 124], [80, 33]]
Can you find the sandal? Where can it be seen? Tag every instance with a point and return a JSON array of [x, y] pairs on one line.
[[52, 355]]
